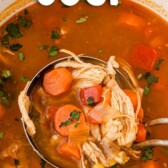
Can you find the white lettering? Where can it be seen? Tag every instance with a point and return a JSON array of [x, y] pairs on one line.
[[74, 2], [70, 2], [46, 2], [114, 2], [96, 2]]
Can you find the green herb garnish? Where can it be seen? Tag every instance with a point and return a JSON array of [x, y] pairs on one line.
[[4, 98], [146, 90], [1, 135], [67, 122], [90, 101], [43, 163], [64, 19], [75, 115], [15, 47], [21, 56], [17, 162], [148, 154], [44, 47], [55, 34], [100, 51], [24, 79], [157, 66], [13, 30], [5, 40], [82, 20], [76, 125], [53, 51], [6, 74], [115, 166], [24, 23], [150, 78]]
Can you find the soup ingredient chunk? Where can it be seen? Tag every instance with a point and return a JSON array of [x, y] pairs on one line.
[[70, 150], [65, 116], [91, 95], [57, 81], [141, 134], [144, 57]]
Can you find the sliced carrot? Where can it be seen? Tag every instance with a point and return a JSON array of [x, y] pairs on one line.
[[141, 114], [132, 95], [62, 115], [1, 111], [141, 134], [57, 81], [70, 150], [132, 20], [150, 164], [107, 95]]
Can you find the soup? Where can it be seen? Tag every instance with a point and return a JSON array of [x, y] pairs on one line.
[[98, 32]]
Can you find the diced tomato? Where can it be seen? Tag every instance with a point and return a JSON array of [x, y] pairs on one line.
[[50, 113], [144, 57], [141, 134], [91, 95]]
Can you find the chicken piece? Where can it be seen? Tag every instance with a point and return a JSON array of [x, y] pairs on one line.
[[95, 131], [112, 129], [94, 153], [113, 152], [24, 105], [10, 151]]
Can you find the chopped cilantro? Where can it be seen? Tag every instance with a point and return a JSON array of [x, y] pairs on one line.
[[76, 125], [75, 115], [4, 97], [64, 19], [90, 101], [24, 23], [148, 154], [15, 47], [1, 135], [55, 34], [53, 51], [157, 66], [6, 74], [21, 56], [13, 30], [43, 47], [43, 163], [67, 122], [5, 40], [82, 20], [17, 162], [150, 78], [146, 90], [24, 79]]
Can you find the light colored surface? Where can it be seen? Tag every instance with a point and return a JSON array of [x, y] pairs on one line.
[[10, 7]]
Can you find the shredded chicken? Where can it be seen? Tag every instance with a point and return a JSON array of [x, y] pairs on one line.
[[24, 105], [112, 139]]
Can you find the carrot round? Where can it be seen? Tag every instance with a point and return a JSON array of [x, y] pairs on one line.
[[132, 95], [141, 134], [70, 150], [63, 115], [1, 111], [57, 81], [150, 164]]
